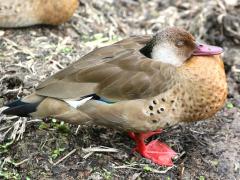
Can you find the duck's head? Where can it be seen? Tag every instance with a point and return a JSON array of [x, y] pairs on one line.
[[174, 46]]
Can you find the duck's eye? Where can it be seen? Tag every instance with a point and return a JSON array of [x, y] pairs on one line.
[[179, 43]]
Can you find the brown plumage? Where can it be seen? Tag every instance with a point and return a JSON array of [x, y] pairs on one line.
[[126, 90], [20, 13]]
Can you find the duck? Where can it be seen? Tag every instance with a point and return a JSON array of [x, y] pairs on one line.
[[18, 13], [138, 85]]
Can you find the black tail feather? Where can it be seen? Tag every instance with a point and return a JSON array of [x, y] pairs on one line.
[[15, 103], [20, 108]]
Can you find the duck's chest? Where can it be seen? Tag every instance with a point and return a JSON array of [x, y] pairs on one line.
[[203, 90], [199, 92]]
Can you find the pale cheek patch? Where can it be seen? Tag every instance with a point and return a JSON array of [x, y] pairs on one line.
[[166, 54]]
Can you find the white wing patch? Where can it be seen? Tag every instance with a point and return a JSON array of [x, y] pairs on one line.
[[76, 104]]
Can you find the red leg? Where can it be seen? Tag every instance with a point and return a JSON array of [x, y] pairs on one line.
[[149, 134], [132, 135], [158, 152], [144, 135]]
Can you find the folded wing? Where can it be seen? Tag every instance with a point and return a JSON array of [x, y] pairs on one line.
[[116, 72]]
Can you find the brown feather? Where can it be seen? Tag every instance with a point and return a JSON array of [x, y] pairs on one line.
[[117, 72]]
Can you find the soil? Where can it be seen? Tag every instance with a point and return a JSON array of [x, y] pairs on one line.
[[33, 149]]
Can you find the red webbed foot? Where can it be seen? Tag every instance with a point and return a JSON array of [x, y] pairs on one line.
[[156, 151]]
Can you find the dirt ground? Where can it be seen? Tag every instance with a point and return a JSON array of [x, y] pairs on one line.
[[48, 149]]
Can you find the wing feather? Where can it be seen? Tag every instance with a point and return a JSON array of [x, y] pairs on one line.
[[116, 72]]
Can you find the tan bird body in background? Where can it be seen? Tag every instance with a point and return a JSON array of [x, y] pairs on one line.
[[140, 85], [21, 13]]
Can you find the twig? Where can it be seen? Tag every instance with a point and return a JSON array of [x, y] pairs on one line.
[[100, 149], [6, 118], [2, 135], [87, 155], [130, 166], [2, 109], [69, 154], [77, 129], [126, 166], [135, 176], [196, 131], [163, 171], [21, 66], [34, 120], [91, 150], [7, 159], [4, 128], [11, 91], [21, 162], [18, 129]]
